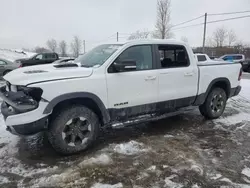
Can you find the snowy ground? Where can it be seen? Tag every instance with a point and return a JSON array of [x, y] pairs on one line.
[[182, 151]]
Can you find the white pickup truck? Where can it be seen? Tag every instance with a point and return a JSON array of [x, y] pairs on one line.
[[112, 84]]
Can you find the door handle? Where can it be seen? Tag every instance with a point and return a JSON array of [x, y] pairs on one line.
[[189, 74], [150, 78]]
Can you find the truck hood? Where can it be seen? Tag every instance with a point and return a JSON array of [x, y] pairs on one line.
[[43, 73]]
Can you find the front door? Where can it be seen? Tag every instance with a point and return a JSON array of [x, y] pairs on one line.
[[132, 92]]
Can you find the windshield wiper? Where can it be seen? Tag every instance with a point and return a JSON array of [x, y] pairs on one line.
[[87, 66]]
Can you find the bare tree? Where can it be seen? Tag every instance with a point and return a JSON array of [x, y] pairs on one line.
[[52, 44], [220, 36], [63, 48], [39, 49], [76, 46], [231, 37], [139, 35], [210, 42], [162, 26], [184, 39]]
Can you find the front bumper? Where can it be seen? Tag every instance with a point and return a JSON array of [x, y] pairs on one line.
[[29, 128], [23, 116]]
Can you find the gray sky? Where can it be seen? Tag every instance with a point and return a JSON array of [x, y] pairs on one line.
[[29, 23]]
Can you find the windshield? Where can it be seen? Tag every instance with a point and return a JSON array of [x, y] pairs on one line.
[[98, 55]]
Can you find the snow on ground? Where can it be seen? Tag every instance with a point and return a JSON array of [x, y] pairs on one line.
[[12, 55], [102, 159], [100, 185], [182, 151], [130, 148]]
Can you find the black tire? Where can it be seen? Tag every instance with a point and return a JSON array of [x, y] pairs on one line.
[[215, 104], [6, 72], [65, 127]]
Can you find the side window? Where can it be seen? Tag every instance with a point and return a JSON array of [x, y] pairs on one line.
[[39, 57], [2, 62], [141, 55], [201, 58], [237, 57], [173, 56]]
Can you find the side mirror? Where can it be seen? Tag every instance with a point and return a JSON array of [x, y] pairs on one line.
[[127, 65]]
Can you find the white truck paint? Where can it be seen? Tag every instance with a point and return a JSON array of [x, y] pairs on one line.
[[172, 81]]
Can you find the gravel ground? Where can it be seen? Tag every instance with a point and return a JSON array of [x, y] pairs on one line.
[[181, 151]]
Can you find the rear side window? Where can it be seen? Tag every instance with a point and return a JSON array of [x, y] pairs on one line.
[[173, 56], [237, 57], [50, 56], [201, 58]]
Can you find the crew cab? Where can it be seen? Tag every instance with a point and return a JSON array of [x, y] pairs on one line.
[[38, 59], [114, 84]]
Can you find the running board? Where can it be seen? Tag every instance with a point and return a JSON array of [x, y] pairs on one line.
[[148, 118]]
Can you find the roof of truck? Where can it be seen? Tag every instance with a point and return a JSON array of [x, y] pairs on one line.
[[152, 41]]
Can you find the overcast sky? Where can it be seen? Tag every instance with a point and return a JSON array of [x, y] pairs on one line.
[[29, 23]]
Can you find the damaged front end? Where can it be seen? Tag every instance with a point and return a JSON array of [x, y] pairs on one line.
[[19, 100]]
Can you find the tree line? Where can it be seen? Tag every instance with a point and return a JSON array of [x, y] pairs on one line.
[[62, 47]]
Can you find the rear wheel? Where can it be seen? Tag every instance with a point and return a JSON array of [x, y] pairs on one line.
[[73, 130], [214, 104]]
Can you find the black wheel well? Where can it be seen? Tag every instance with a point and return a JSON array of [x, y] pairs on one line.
[[6, 71], [223, 85], [88, 102]]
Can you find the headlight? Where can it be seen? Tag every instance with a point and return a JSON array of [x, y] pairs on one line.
[[34, 92]]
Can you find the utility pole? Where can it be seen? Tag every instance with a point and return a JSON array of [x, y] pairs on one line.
[[117, 36], [84, 46], [204, 34]]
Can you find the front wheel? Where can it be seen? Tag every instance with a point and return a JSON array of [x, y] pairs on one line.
[[214, 104], [73, 130]]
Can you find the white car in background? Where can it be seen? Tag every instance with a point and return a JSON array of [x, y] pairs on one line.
[[202, 57]]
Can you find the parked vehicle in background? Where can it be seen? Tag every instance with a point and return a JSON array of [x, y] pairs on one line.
[[64, 60], [114, 84], [38, 59], [246, 65], [202, 57], [6, 66], [237, 58]]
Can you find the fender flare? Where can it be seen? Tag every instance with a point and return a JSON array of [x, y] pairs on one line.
[[74, 95], [202, 97]]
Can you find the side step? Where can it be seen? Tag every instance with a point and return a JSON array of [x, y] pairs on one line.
[[148, 118]]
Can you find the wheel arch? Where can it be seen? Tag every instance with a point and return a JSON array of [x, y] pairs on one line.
[[90, 100], [221, 82]]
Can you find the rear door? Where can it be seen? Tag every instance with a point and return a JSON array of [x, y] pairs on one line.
[[178, 77]]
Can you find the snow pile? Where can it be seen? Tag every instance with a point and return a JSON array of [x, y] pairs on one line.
[[3, 180], [102, 159], [130, 148], [246, 172], [100, 185], [62, 179], [231, 120], [170, 184], [168, 136], [12, 55]]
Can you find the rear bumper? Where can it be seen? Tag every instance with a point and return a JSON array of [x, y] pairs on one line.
[[235, 91]]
